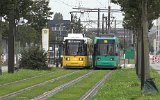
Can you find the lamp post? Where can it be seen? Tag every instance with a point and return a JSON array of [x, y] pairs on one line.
[[60, 42]]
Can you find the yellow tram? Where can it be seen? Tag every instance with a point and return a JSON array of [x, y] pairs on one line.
[[77, 51]]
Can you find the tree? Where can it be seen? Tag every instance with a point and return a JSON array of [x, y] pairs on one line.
[[76, 25], [4, 29], [58, 16], [3, 33], [36, 12], [138, 16], [0, 50], [37, 17], [34, 58], [26, 34], [132, 12], [21, 7], [4, 7]]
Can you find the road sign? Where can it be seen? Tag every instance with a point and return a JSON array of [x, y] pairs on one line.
[[129, 53]]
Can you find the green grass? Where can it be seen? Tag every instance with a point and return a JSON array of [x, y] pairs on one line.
[[17, 86], [41, 89], [22, 74], [79, 89], [124, 85]]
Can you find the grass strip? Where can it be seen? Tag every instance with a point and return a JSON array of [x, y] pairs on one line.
[[39, 90], [17, 86], [34, 77], [79, 89], [124, 85], [22, 74]]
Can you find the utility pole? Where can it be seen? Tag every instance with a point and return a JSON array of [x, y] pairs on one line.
[[106, 24], [81, 9], [11, 39], [98, 22], [109, 11], [103, 24], [115, 26], [71, 22]]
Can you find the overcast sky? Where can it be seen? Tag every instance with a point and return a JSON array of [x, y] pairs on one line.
[[65, 6]]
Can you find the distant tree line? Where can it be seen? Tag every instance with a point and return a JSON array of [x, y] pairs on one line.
[[35, 16]]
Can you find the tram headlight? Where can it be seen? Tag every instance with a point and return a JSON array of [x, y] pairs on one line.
[[81, 59], [111, 58], [98, 58], [67, 59]]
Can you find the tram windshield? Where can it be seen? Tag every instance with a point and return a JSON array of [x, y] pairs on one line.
[[106, 49], [75, 47]]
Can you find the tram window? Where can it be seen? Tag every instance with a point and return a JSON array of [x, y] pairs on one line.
[[75, 47], [105, 49]]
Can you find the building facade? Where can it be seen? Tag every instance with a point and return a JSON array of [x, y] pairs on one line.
[[157, 39]]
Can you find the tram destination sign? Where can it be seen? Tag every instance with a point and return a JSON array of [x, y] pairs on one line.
[[105, 41], [75, 41]]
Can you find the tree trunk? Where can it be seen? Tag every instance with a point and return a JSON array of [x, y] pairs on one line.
[[11, 40], [0, 51], [145, 41], [138, 52], [145, 70]]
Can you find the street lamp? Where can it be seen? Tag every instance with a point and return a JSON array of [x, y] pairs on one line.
[[60, 41]]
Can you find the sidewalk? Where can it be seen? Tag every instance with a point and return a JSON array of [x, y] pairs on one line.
[[127, 66]]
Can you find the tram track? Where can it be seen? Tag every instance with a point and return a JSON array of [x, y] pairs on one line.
[[39, 84], [2, 85], [48, 94], [95, 88]]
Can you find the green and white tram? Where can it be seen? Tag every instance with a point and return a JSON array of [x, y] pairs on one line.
[[106, 52]]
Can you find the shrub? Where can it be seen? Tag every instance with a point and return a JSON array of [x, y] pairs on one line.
[[34, 58]]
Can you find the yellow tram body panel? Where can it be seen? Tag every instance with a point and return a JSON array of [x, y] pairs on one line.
[[75, 61]]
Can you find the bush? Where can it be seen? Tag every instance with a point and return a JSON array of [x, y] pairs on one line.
[[34, 58]]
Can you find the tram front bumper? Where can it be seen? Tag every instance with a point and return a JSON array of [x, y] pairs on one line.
[[74, 64], [106, 64]]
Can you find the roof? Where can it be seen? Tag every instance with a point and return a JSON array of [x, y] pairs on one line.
[[77, 37], [106, 38], [55, 23]]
